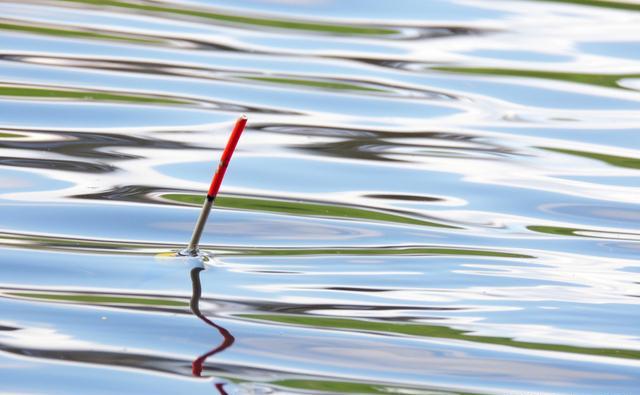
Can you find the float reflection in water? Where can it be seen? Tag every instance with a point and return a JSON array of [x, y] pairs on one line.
[[228, 339]]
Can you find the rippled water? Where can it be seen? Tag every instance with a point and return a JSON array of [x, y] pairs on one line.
[[431, 197]]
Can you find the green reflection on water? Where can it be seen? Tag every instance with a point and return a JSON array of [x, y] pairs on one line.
[[11, 135], [100, 299], [332, 386], [601, 3], [436, 331], [382, 251], [254, 21], [618, 161], [69, 33], [43, 242], [553, 230], [315, 84], [123, 247], [346, 387], [597, 234], [605, 80], [15, 91], [300, 208]]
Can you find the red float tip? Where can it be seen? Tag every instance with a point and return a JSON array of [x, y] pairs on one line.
[[226, 156]]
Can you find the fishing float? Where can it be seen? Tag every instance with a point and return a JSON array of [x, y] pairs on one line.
[[192, 248]]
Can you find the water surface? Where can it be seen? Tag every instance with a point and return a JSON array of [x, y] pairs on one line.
[[433, 197]]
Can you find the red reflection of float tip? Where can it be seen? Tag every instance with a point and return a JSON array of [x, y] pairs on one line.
[[226, 157]]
